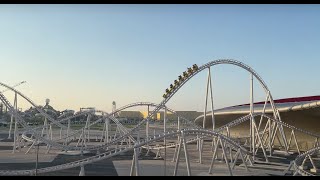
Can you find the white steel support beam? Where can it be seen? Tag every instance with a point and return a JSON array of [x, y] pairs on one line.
[[15, 124], [176, 149], [164, 139], [225, 157], [252, 132], [82, 172], [88, 126], [212, 107], [178, 158], [147, 123], [261, 142], [214, 156], [136, 154], [206, 100], [60, 133], [132, 165], [15, 138], [263, 110], [186, 153], [12, 118], [107, 130]]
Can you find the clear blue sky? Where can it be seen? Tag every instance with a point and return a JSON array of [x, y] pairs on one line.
[[91, 55]]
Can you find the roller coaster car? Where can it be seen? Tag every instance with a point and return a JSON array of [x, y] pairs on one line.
[[176, 82], [195, 67], [171, 86], [190, 71], [180, 78], [167, 91], [185, 74], [164, 95]]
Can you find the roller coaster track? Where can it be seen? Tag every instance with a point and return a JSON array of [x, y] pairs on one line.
[[128, 133], [299, 161], [156, 109], [110, 116], [41, 111], [121, 150]]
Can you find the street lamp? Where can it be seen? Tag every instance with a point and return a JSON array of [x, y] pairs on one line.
[[14, 86], [37, 158]]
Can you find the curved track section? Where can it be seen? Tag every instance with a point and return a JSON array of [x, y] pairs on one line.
[[299, 163]]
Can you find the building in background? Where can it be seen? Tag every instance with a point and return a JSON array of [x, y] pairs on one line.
[[302, 112], [136, 116]]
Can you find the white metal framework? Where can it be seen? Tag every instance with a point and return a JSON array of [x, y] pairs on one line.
[[115, 138]]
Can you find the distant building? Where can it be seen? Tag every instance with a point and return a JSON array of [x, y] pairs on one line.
[[87, 109], [129, 117], [155, 117], [140, 115], [191, 115], [66, 113]]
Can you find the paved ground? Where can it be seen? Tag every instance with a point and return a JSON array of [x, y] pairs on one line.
[[121, 164]]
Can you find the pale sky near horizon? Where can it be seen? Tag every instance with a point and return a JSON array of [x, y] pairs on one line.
[[91, 55]]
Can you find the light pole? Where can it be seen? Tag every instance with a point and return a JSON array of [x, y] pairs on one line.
[[37, 158], [13, 86], [16, 108]]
